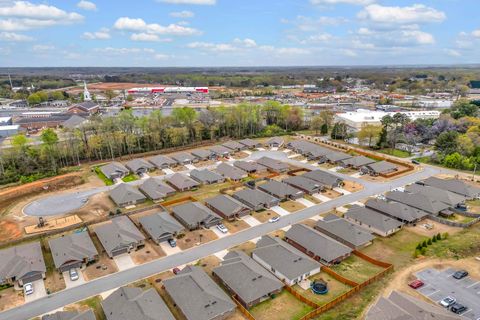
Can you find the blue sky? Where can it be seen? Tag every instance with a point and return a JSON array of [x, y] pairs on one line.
[[238, 32]]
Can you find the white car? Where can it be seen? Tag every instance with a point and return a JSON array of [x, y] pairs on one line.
[[222, 228], [28, 288], [448, 301], [274, 219], [73, 275]]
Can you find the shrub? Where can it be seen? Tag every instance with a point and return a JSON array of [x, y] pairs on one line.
[[445, 235], [429, 242]]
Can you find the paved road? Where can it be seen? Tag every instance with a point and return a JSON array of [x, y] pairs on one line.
[[95, 287]]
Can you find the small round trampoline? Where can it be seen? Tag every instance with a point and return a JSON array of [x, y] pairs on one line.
[[319, 287]]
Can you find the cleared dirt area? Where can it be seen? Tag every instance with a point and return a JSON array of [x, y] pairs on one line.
[[437, 228], [312, 199], [97, 206], [239, 155], [148, 253], [284, 307], [292, 206], [102, 267], [264, 216], [196, 237], [235, 226], [332, 194], [10, 298], [309, 222], [205, 163], [277, 234], [54, 281], [352, 186], [209, 263], [9, 231], [179, 168]]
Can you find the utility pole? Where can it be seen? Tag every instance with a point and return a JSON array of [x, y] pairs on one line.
[[11, 84], [474, 170]]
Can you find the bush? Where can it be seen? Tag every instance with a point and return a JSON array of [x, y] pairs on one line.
[[424, 244], [429, 242], [434, 239], [445, 235], [439, 236]]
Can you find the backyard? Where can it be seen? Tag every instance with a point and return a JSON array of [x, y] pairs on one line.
[[284, 306], [356, 269], [335, 289]]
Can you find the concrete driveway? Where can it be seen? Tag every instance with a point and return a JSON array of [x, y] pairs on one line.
[[168, 249], [280, 211], [69, 283], [251, 221], [39, 291], [219, 233], [305, 202], [321, 197], [124, 261]]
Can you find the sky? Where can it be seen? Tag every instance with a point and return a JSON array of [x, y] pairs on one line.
[[205, 33]]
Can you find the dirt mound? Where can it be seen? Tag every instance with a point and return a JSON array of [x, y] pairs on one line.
[[9, 231]]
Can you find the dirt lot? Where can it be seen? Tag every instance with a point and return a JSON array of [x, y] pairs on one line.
[[156, 173], [437, 228], [102, 267], [352, 186], [292, 206], [263, 216], [284, 306], [277, 233], [312, 199], [205, 163], [209, 263], [246, 247], [195, 237], [9, 231], [309, 222], [10, 298], [97, 206], [148, 253], [54, 281], [239, 155], [179, 168], [235, 226], [332, 194]]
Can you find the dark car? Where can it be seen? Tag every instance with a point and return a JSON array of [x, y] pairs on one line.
[[460, 274], [415, 162], [458, 308], [176, 270], [172, 243]]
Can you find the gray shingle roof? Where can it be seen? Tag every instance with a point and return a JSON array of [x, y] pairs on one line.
[[275, 140], [194, 213], [382, 167], [160, 224], [345, 230], [249, 166], [72, 247], [302, 146], [418, 201], [453, 185], [220, 150], [249, 143], [230, 172], [155, 189], [334, 156], [114, 168], [19, 261], [396, 209], [357, 162], [254, 197], [125, 193], [445, 196], [136, 304], [118, 232], [322, 177], [273, 164], [249, 280], [137, 164], [318, 243], [181, 181], [233, 145], [74, 122], [372, 218], [304, 183], [206, 176], [182, 157], [70, 315], [197, 295], [160, 161], [226, 205], [279, 189], [202, 153]]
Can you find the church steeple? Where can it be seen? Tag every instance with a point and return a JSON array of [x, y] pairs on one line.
[[86, 94]]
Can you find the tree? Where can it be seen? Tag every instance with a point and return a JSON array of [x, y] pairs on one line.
[[316, 124], [109, 94], [465, 145], [370, 133], [339, 131], [446, 142]]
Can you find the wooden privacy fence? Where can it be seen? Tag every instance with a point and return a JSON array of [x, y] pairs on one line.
[[301, 297], [242, 309]]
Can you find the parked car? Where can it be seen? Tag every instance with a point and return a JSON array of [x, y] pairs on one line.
[[172, 243], [427, 226], [415, 162], [28, 288], [222, 228], [460, 274], [416, 284], [274, 219], [73, 275], [458, 308], [176, 270], [447, 302]]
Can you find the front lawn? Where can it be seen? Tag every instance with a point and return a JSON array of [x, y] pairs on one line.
[[283, 307], [108, 182], [129, 178]]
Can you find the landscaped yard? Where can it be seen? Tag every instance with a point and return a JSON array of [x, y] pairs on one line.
[[335, 289], [395, 153], [292, 206], [148, 253], [129, 178], [283, 307], [356, 269], [104, 178]]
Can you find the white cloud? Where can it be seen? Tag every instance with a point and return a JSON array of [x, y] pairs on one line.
[[148, 37], [348, 52], [42, 48], [248, 43], [418, 36], [307, 24], [14, 37], [476, 33], [139, 25], [354, 2], [215, 47], [417, 13], [87, 5], [102, 34], [161, 56], [453, 53], [198, 2], [123, 51], [182, 14]]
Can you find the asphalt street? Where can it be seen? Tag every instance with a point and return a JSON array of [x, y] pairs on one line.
[[97, 286]]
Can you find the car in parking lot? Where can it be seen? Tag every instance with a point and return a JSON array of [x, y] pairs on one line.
[[460, 274], [222, 228], [416, 284], [274, 219], [172, 243], [448, 301], [458, 308], [73, 274], [28, 288]]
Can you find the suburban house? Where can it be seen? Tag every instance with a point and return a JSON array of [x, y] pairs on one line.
[[420, 201], [249, 166], [246, 280], [333, 157], [256, 199], [114, 170], [306, 185], [303, 147], [275, 142], [118, 236], [327, 179], [181, 182], [22, 264], [317, 153], [160, 226], [162, 162], [317, 245], [206, 176], [284, 261], [273, 165], [377, 168], [399, 305], [194, 215], [453, 185], [156, 189], [231, 172], [345, 232], [234, 145], [227, 207], [373, 220], [139, 166], [202, 154], [183, 158], [356, 162], [73, 251], [125, 195], [396, 210], [128, 303], [221, 151], [70, 315], [445, 196], [250, 144], [197, 296], [281, 190]]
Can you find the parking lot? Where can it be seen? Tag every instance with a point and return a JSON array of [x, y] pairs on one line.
[[440, 284]]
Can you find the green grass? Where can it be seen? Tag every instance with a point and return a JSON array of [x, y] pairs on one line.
[[356, 269], [335, 289], [108, 182], [283, 307], [465, 243], [94, 303], [395, 152], [129, 178]]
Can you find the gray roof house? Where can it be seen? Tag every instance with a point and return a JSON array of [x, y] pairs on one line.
[[227, 207], [206, 176], [396, 210], [234, 145], [273, 165], [281, 190], [194, 215], [284, 261], [156, 189], [160, 226], [306, 185], [344, 231], [445, 196], [71, 315], [301, 146], [114, 170], [400, 306], [22, 264], [124, 195], [316, 244], [203, 154], [139, 166], [245, 279], [250, 144], [453, 185], [334, 157], [373, 220], [325, 178], [183, 157], [127, 303], [256, 199], [249, 166], [72, 251], [381, 167], [162, 162], [221, 151], [197, 296], [118, 236], [419, 201], [231, 172], [73, 122], [356, 162], [317, 153], [275, 142], [181, 182]]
